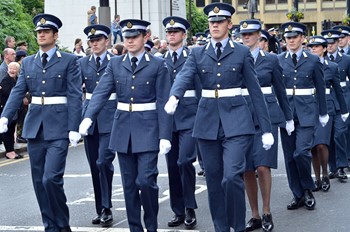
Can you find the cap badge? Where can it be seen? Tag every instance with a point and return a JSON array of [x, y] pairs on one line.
[[201, 37], [216, 10], [329, 34], [340, 29], [129, 25], [290, 27], [245, 25], [313, 40], [92, 31], [238, 39], [172, 22], [42, 21]]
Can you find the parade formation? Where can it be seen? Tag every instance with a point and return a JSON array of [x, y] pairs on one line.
[[226, 99]]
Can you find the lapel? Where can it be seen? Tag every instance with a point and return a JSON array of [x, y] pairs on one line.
[[169, 60], [339, 57], [260, 58], [182, 58], [302, 59], [143, 63], [92, 63], [37, 60], [288, 60], [210, 51], [105, 61], [54, 59], [228, 49], [126, 63]]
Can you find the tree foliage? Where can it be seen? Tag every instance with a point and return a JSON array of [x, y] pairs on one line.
[[33, 7], [16, 22], [199, 21]]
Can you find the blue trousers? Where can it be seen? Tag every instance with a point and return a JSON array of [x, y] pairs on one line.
[[181, 172], [139, 177], [224, 165], [100, 160], [48, 161], [337, 149]]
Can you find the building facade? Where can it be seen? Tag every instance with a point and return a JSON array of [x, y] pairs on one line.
[[273, 12]]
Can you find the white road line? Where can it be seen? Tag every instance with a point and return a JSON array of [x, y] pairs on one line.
[[84, 229]]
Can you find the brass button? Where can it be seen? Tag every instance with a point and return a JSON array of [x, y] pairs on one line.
[[43, 82], [132, 87], [174, 71], [98, 74], [133, 76], [219, 64], [43, 93], [132, 99], [218, 85], [96, 82], [44, 71], [295, 71], [219, 74]]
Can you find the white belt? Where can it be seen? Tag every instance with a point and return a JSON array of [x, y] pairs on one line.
[[48, 100], [264, 90], [136, 107], [217, 93], [113, 96], [300, 91], [190, 93], [343, 83], [328, 91]]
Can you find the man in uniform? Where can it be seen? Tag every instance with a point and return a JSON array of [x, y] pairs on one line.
[[53, 79], [100, 157], [223, 124], [141, 128], [182, 174], [302, 74], [337, 151]]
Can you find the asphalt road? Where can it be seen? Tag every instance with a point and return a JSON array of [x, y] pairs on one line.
[[19, 210]]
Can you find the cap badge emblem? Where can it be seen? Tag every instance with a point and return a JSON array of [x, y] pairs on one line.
[[329, 34], [92, 31], [290, 27], [216, 10], [245, 25], [42, 21], [172, 22], [129, 25]]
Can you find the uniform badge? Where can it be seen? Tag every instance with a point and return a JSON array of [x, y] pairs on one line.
[[216, 10], [329, 34], [201, 37], [42, 21], [129, 25], [313, 40], [92, 31], [245, 25], [172, 22], [290, 27], [340, 29]]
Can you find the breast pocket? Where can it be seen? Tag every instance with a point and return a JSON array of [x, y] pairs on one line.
[[55, 80], [146, 87], [120, 84], [31, 79], [205, 71]]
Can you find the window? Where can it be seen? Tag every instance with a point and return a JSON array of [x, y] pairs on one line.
[[200, 3], [242, 2], [215, 1], [270, 1], [282, 1], [228, 1]]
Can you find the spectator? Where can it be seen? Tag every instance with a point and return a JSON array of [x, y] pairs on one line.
[[92, 18], [164, 44], [10, 42], [119, 50], [156, 46], [22, 45], [78, 48], [116, 29], [9, 56], [148, 46], [7, 84]]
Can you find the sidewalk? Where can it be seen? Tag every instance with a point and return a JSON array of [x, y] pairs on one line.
[[19, 148]]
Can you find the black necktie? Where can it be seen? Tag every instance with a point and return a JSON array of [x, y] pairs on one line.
[[98, 62], [133, 63], [342, 50], [331, 57], [218, 51], [174, 57], [294, 58], [44, 59]]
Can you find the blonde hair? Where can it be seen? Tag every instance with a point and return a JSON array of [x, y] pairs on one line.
[[15, 64]]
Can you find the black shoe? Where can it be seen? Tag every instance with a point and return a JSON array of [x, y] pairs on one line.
[[318, 185], [176, 221], [190, 219], [326, 185], [253, 224], [96, 220], [296, 203], [340, 174], [267, 223], [201, 173], [331, 175], [66, 229], [21, 140], [106, 218], [309, 200]]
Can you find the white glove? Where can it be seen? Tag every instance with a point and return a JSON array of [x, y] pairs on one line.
[[323, 119], [164, 146], [344, 117], [267, 140], [171, 105], [74, 138], [290, 127], [84, 126], [3, 125]]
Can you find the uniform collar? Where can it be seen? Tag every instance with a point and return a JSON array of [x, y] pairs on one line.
[[178, 51], [102, 57], [139, 57], [255, 53], [223, 43], [299, 52], [49, 53]]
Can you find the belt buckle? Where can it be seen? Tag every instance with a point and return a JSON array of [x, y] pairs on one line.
[[42, 100], [293, 91], [216, 93], [130, 107]]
